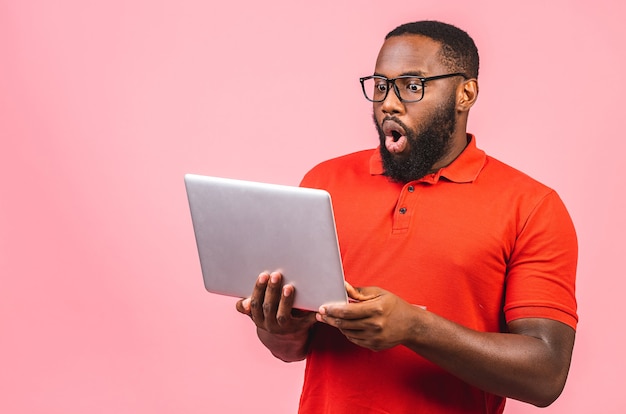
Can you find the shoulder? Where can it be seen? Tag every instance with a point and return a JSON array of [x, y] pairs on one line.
[[532, 203], [499, 174]]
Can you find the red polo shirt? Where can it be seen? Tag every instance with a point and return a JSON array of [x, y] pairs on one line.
[[478, 242]]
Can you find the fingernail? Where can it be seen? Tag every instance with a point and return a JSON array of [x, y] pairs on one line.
[[263, 277], [286, 291], [274, 278]]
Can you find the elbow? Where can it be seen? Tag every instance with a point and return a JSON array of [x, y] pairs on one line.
[[546, 402], [289, 358], [548, 392], [547, 399]]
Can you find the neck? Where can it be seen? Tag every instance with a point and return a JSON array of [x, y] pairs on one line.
[[457, 144]]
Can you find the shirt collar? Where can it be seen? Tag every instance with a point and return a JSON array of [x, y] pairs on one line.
[[464, 169]]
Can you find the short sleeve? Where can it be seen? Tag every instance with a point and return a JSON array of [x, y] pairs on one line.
[[541, 273]]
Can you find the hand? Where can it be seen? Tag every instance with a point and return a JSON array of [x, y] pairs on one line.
[[374, 319], [271, 307]]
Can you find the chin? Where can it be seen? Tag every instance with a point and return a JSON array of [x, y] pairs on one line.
[[400, 156]]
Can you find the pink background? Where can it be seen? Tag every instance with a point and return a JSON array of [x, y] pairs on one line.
[[105, 105]]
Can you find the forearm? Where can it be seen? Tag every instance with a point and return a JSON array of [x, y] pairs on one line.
[[515, 365], [287, 347]]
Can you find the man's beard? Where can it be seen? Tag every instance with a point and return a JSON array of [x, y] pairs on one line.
[[426, 147]]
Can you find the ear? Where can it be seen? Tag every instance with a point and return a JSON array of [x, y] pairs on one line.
[[467, 93]]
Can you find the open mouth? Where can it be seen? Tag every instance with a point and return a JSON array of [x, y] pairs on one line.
[[396, 141], [391, 129]]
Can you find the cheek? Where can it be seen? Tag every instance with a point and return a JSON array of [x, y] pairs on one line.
[[420, 118]]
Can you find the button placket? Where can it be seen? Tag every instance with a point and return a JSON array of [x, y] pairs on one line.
[[403, 211]]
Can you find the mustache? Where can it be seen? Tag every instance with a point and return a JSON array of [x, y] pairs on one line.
[[388, 118], [394, 120]]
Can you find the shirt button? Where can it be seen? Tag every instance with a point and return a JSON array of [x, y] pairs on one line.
[[403, 210], [411, 189]]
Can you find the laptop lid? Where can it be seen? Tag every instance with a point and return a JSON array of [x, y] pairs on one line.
[[243, 228]]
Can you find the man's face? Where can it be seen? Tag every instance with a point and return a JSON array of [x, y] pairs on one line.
[[414, 136]]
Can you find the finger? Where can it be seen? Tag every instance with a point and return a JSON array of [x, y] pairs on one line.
[[342, 319], [353, 310], [355, 336], [344, 325], [258, 297], [269, 304], [243, 306], [273, 295], [353, 293], [362, 293], [283, 314]]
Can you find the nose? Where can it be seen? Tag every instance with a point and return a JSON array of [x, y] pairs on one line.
[[392, 104]]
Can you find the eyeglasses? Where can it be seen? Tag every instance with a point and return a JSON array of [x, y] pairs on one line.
[[408, 88]]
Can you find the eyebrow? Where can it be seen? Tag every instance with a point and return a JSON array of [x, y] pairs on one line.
[[418, 74]]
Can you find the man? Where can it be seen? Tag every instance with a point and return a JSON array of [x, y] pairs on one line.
[[465, 266]]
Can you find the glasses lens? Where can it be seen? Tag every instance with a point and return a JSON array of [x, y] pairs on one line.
[[375, 89], [411, 89]]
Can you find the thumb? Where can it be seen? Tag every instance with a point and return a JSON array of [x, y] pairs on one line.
[[243, 306]]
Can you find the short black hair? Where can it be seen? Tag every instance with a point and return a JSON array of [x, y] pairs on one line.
[[458, 50]]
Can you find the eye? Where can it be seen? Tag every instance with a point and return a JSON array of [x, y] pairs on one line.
[[380, 86], [414, 86]]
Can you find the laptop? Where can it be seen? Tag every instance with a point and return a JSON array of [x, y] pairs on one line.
[[243, 228]]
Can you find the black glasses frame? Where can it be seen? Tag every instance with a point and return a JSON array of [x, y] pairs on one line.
[[395, 87]]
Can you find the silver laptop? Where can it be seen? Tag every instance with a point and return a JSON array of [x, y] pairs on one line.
[[243, 228]]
